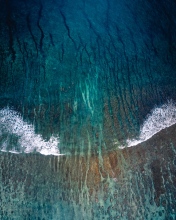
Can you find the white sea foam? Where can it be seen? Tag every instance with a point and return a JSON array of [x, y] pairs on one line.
[[12, 126], [159, 118], [14, 129]]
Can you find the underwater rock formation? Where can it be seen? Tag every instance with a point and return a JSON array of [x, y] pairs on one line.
[[133, 183]]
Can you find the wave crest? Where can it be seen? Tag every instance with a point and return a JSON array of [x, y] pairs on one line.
[[159, 118], [17, 136]]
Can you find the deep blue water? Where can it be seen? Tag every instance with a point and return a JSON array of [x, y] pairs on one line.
[[70, 66]]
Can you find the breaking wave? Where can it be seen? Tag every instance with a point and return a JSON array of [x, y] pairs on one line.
[[17, 136], [159, 118]]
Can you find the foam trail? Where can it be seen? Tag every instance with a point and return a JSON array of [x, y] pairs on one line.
[[20, 136], [159, 118]]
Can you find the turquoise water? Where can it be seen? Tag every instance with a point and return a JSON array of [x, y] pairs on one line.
[[81, 78]]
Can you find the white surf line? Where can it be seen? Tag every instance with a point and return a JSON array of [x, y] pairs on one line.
[[26, 140], [159, 119]]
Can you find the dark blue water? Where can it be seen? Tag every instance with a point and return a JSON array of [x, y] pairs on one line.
[[72, 68]]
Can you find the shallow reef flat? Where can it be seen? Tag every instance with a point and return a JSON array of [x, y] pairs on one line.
[[140, 180]]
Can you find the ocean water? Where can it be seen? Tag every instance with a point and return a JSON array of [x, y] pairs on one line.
[[87, 109]]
